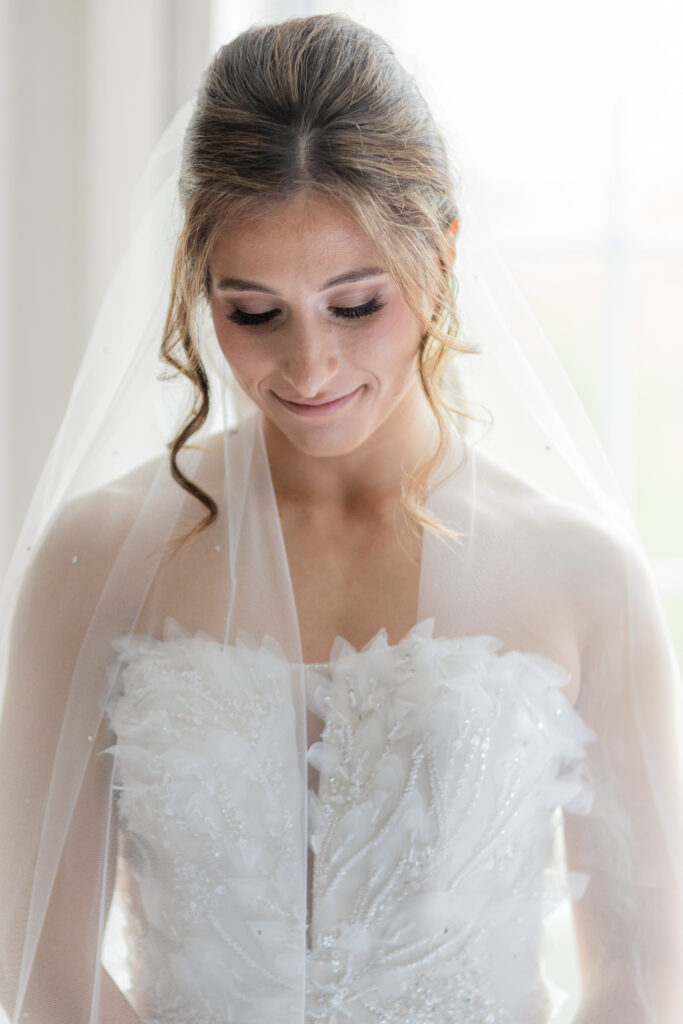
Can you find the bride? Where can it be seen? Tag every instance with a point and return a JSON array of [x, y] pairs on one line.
[[316, 712]]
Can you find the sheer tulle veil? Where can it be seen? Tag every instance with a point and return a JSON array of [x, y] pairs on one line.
[[564, 575]]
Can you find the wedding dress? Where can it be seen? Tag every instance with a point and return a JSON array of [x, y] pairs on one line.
[[439, 762]]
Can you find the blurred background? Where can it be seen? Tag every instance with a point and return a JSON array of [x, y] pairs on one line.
[[572, 115]]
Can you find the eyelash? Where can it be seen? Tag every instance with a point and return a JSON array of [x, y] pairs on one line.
[[344, 312]]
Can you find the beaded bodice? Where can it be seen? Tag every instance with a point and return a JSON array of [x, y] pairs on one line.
[[407, 886]]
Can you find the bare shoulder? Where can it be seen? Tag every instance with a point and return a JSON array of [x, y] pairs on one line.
[[592, 555], [89, 528], [74, 557]]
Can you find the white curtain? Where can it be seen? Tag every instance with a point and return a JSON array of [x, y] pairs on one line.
[[86, 86]]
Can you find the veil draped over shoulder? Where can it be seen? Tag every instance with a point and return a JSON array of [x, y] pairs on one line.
[[548, 593]]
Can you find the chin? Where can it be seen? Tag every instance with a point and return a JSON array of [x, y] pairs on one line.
[[324, 442]]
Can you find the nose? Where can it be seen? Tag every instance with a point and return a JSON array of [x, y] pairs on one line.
[[310, 362]]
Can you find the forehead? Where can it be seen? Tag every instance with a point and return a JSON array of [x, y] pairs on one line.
[[309, 233]]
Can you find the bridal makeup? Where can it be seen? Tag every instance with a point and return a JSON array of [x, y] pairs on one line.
[[316, 332]]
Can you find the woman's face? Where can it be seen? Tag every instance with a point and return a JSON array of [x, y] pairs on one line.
[[315, 331]]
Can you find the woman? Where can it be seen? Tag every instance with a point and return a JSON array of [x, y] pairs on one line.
[[307, 714]]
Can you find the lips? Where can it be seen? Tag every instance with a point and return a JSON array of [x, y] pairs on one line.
[[318, 407], [320, 401]]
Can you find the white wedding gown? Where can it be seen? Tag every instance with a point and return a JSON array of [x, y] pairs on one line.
[[435, 769]]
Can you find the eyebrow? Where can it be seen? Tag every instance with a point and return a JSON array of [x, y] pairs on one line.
[[241, 285]]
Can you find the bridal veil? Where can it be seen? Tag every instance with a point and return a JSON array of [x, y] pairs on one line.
[[98, 561]]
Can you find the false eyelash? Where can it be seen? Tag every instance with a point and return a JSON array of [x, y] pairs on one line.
[[351, 312], [251, 319], [238, 316]]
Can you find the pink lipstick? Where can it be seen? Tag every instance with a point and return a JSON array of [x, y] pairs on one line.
[[318, 408]]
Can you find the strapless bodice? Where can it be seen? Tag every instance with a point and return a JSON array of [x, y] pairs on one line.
[[408, 886]]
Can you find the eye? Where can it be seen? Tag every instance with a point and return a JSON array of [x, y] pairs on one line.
[[251, 319], [351, 312], [238, 316]]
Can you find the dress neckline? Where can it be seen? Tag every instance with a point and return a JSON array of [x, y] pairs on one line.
[[470, 645], [341, 649]]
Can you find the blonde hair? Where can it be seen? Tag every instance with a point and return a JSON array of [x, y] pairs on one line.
[[319, 104]]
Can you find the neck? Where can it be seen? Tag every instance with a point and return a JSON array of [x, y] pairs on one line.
[[369, 476]]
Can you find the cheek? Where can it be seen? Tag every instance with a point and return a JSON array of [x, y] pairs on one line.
[[247, 362], [397, 344], [247, 359]]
